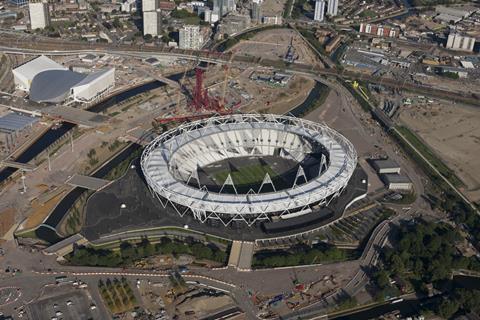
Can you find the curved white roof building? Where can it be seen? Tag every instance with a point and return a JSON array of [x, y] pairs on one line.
[[173, 159], [23, 75], [48, 81]]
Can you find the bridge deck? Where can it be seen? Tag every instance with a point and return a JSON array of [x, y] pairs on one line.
[[87, 182], [18, 165], [78, 116], [241, 255], [140, 136]]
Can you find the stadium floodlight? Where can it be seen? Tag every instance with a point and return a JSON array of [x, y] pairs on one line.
[[170, 164]]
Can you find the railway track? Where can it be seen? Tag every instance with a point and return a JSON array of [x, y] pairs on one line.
[[27, 44]]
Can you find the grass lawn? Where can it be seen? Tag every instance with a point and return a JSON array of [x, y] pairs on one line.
[[252, 174]]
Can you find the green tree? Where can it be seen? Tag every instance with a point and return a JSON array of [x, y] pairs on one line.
[[447, 308]]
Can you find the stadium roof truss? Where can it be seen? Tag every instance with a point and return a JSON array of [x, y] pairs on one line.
[[171, 160]]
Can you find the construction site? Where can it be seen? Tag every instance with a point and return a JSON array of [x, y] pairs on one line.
[[98, 131]]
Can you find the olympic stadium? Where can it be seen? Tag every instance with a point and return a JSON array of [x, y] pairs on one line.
[[245, 176]]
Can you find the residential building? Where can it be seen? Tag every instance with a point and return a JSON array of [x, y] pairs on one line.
[[149, 5], [218, 8], [379, 30], [459, 42], [332, 8], [319, 13], [151, 17], [18, 3], [190, 37], [151, 23], [230, 6], [257, 11], [129, 6], [39, 15]]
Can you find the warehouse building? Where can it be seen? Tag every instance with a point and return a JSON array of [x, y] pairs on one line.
[[385, 166], [397, 182], [48, 81]]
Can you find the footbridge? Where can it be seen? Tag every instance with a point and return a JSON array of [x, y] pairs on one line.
[[17, 165]]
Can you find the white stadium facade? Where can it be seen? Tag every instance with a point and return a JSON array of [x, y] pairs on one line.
[[172, 161], [48, 81]]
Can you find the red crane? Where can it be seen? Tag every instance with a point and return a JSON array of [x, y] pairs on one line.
[[201, 98]]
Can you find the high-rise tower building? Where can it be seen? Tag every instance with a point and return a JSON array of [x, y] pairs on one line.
[[39, 15], [151, 17], [332, 8], [319, 13], [190, 37], [257, 10]]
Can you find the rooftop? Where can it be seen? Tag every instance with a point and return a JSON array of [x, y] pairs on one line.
[[395, 178], [33, 67], [385, 163]]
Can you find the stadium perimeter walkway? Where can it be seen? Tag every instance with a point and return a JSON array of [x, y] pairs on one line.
[[241, 255]]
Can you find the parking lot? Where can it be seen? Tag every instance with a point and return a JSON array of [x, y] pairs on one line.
[[75, 305]]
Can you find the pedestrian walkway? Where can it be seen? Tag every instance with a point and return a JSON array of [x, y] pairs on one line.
[[241, 255]]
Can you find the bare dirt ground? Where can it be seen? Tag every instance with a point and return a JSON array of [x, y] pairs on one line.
[[273, 44], [273, 7], [7, 219], [453, 132], [277, 100], [40, 211], [263, 97], [203, 306], [460, 85]]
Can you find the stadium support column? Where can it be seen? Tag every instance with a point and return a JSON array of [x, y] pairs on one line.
[[323, 164], [267, 180], [229, 182], [300, 174]]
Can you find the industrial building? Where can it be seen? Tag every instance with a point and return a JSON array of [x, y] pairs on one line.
[[39, 15], [319, 13], [14, 122], [48, 81], [385, 166], [397, 182], [190, 37], [456, 41]]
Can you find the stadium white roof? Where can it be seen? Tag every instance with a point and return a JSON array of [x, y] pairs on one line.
[[169, 157]]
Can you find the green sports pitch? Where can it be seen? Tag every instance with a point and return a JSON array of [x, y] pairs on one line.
[[247, 175]]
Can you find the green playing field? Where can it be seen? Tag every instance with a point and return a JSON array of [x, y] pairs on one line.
[[252, 174]]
